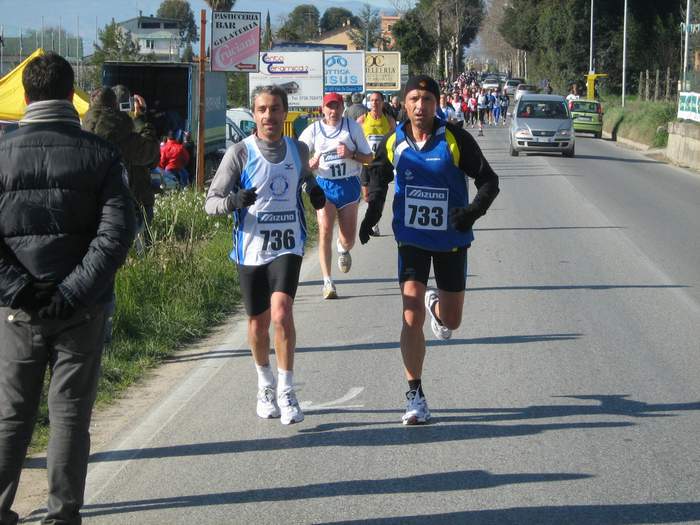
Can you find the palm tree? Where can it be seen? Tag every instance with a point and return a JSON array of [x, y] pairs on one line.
[[220, 5]]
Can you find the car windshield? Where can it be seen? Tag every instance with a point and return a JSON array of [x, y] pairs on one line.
[[553, 109], [582, 105]]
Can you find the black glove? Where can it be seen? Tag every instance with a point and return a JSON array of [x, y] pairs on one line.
[[462, 219], [372, 216], [317, 197], [241, 198], [365, 230], [58, 308], [33, 296]]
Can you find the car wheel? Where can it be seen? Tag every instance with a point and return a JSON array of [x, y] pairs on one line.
[[513, 152], [569, 152]]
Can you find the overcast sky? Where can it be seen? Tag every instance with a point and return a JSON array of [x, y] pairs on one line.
[[14, 14]]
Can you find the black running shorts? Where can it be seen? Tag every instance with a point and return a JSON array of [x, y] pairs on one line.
[[259, 282], [450, 268]]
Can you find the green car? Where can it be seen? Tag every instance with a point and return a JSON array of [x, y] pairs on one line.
[[587, 116]]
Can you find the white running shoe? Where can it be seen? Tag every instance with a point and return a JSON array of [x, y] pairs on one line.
[[267, 403], [440, 331], [329, 291], [417, 411], [344, 258], [289, 407]]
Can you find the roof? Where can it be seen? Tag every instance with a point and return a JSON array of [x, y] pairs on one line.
[[132, 24], [534, 96]]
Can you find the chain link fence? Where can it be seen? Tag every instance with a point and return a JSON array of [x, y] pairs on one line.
[[18, 43]]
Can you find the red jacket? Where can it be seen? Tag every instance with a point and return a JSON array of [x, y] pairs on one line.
[[173, 156]]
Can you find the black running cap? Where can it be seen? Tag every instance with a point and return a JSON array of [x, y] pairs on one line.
[[425, 83]]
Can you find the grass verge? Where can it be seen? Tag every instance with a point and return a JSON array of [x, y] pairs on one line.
[[171, 296], [640, 121]]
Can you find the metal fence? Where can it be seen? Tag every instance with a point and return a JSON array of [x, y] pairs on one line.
[[18, 43]]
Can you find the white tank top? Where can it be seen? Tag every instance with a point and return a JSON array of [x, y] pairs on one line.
[[325, 141], [274, 225]]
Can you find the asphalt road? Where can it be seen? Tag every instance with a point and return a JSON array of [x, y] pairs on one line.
[[569, 395]]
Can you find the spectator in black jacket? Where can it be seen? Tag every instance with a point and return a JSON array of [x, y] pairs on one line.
[[66, 223]]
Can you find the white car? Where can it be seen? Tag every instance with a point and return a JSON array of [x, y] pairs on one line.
[[542, 123], [524, 89], [491, 83], [243, 118]]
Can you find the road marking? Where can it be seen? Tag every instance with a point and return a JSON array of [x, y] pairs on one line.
[[352, 393]]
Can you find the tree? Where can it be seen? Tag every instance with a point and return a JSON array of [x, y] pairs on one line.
[[188, 53], [368, 33], [301, 24], [220, 5], [415, 43], [454, 24], [180, 10], [555, 33], [335, 17], [267, 34], [115, 44]]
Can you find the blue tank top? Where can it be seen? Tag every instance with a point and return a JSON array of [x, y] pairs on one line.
[[428, 184]]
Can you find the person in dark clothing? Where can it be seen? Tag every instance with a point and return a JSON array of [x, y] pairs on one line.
[[66, 224], [136, 140]]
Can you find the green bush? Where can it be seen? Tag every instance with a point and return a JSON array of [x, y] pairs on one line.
[[640, 121]]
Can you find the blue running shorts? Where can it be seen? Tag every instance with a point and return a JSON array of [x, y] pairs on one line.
[[341, 192]]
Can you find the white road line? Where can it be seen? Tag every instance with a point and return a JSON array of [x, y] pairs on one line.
[[351, 394]]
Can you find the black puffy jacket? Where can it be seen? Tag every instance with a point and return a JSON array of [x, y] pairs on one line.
[[66, 216]]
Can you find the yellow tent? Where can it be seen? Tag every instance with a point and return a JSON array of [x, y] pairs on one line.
[[12, 104]]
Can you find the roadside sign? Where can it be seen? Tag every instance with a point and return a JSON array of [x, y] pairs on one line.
[[383, 71], [689, 106], [299, 73], [235, 41], [344, 71]]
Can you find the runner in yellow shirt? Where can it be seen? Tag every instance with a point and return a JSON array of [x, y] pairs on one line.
[[376, 124]]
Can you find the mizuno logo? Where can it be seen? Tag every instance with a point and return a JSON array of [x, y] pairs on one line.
[[419, 193], [273, 217], [288, 166]]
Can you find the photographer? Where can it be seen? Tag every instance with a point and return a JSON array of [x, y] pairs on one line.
[[135, 138]]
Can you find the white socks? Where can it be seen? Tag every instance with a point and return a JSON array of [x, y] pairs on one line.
[[265, 376], [285, 378], [339, 247]]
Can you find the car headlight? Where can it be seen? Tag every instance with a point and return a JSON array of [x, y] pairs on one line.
[[522, 133], [565, 132]]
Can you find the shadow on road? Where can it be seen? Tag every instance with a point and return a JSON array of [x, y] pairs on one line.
[[550, 228], [619, 159], [622, 514], [426, 483]]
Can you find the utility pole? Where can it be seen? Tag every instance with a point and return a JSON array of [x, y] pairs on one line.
[[687, 37], [200, 126], [590, 61], [624, 54]]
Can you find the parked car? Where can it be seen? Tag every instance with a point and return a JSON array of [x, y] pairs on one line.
[[511, 84], [243, 118], [587, 116], [524, 89], [491, 83], [542, 123]]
